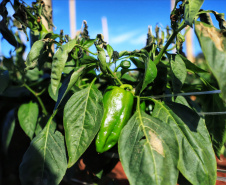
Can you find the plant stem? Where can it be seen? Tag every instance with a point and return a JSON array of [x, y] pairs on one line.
[[174, 34], [38, 98], [86, 49], [117, 68], [113, 75]]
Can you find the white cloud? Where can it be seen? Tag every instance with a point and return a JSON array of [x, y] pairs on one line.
[[123, 37], [139, 40]]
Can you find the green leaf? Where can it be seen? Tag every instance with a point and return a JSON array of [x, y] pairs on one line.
[[88, 43], [67, 84], [53, 96], [102, 59], [87, 59], [7, 34], [178, 72], [4, 80], [82, 117], [110, 51], [33, 74], [216, 124], [28, 116], [197, 159], [8, 130], [213, 45], [192, 67], [42, 123], [33, 56], [69, 66], [138, 63], [45, 160], [192, 7], [123, 53], [149, 74], [58, 64], [148, 150]]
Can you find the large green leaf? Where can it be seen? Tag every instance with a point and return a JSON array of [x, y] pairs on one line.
[[213, 44], [58, 64], [28, 116], [197, 160], [4, 80], [148, 150], [68, 83], [216, 124], [8, 130], [82, 118], [45, 160], [192, 7], [178, 72]]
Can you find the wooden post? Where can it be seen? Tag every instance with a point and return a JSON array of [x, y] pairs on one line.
[[172, 3], [72, 16], [48, 6], [105, 29], [189, 45]]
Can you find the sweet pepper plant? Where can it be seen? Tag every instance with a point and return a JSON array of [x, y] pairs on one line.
[[63, 105]]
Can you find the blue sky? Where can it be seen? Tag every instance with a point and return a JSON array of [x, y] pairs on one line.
[[128, 20]]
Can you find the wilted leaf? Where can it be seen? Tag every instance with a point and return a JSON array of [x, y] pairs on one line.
[[148, 150], [213, 44], [197, 159]]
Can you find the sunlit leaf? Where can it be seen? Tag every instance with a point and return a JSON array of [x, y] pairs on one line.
[[82, 117], [197, 159], [148, 150]]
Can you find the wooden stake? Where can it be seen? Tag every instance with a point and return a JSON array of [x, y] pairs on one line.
[[72, 15]]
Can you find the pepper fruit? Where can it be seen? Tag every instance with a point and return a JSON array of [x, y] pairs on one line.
[[118, 104], [125, 64]]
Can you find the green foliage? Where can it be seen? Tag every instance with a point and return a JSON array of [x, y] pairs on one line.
[[52, 103]]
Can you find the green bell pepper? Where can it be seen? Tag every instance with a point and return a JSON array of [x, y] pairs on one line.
[[118, 104]]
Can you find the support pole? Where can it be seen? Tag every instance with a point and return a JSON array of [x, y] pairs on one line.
[[105, 29], [72, 15]]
